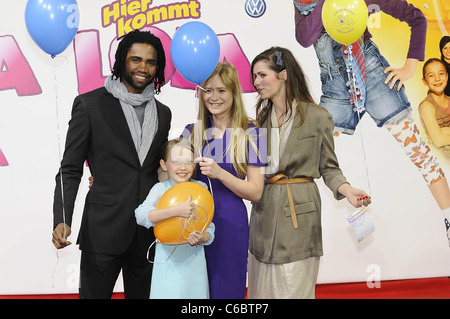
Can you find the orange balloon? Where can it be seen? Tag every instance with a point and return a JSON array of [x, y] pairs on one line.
[[176, 230]]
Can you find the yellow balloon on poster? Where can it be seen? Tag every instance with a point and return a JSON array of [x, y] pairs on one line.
[[345, 20], [176, 230]]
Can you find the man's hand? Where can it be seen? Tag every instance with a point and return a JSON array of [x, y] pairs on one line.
[[60, 234]]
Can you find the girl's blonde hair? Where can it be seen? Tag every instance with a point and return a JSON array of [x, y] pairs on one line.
[[179, 141], [238, 121]]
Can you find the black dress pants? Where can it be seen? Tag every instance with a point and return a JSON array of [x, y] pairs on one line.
[[99, 273]]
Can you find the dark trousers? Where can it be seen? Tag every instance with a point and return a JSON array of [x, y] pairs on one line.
[[99, 273]]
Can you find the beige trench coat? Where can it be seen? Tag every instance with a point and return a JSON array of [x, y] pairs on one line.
[[309, 152]]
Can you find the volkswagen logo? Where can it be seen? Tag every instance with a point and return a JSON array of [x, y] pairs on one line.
[[255, 8]]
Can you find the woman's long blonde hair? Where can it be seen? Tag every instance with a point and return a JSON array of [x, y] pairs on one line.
[[238, 121]]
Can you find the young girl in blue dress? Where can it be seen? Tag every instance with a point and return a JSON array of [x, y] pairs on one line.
[[179, 273]]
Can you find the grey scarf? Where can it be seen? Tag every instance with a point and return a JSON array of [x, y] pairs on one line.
[[142, 136]]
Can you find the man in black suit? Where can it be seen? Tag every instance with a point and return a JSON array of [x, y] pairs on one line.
[[120, 130]]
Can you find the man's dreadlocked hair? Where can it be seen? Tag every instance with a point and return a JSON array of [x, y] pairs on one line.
[[128, 40]]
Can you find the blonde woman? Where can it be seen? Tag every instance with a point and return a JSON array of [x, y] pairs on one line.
[[228, 149]]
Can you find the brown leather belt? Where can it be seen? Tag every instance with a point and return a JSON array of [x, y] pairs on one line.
[[282, 179]]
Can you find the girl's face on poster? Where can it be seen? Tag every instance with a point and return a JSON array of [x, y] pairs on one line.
[[217, 97], [179, 165], [267, 82], [436, 77]]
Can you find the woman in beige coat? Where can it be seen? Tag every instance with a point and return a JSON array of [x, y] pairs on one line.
[[285, 225]]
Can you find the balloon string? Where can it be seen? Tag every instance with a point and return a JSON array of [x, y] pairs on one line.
[[201, 145], [209, 180], [203, 89], [60, 163], [350, 53], [364, 153], [173, 250], [201, 153], [186, 224], [59, 148], [54, 269], [192, 228]]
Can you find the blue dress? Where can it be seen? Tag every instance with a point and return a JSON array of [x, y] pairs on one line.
[[183, 275], [227, 256]]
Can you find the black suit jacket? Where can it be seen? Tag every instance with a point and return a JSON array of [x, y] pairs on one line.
[[98, 132]]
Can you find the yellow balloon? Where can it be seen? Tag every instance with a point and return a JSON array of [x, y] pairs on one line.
[[176, 230], [345, 20]]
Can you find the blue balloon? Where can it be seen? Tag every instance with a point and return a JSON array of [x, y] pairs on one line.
[[195, 51], [52, 24]]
